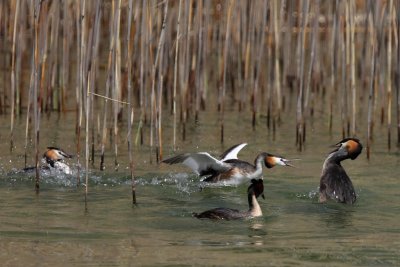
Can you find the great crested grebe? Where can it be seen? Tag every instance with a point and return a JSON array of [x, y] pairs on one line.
[[228, 169], [53, 158], [255, 189], [335, 183]]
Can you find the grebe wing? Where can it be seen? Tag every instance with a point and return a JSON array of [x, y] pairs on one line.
[[232, 152], [202, 163]]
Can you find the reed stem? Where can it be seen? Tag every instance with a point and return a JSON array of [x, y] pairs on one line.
[[176, 74], [353, 66], [36, 97], [389, 74], [371, 97], [13, 78], [227, 40]]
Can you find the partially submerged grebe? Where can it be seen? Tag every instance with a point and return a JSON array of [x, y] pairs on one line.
[[228, 169], [53, 159], [255, 189], [54, 155], [335, 183]]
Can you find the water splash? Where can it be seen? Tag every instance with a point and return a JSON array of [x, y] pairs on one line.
[[313, 195], [183, 182]]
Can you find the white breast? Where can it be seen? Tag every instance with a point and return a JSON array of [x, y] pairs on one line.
[[62, 167]]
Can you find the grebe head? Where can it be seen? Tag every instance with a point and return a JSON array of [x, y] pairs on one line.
[[56, 154], [271, 161], [350, 147], [257, 187]]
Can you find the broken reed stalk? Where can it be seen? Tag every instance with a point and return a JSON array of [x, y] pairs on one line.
[[227, 40], [176, 74]]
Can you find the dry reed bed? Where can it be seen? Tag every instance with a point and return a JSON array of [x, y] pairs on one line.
[[192, 55]]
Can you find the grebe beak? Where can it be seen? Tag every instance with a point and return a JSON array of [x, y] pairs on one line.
[[285, 162], [65, 154]]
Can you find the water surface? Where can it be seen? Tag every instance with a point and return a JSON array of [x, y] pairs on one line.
[[54, 228]]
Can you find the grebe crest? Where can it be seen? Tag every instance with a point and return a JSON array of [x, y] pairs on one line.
[[351, 146]]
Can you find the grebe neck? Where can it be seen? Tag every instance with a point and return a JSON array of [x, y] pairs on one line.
[[259, 162], [254, 207], [336, 157]]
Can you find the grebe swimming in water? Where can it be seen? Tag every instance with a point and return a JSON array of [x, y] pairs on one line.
[[255, 189], [228, 169], [335, 183], [53, 158]]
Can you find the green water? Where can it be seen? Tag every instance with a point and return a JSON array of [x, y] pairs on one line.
[[54, 228]]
